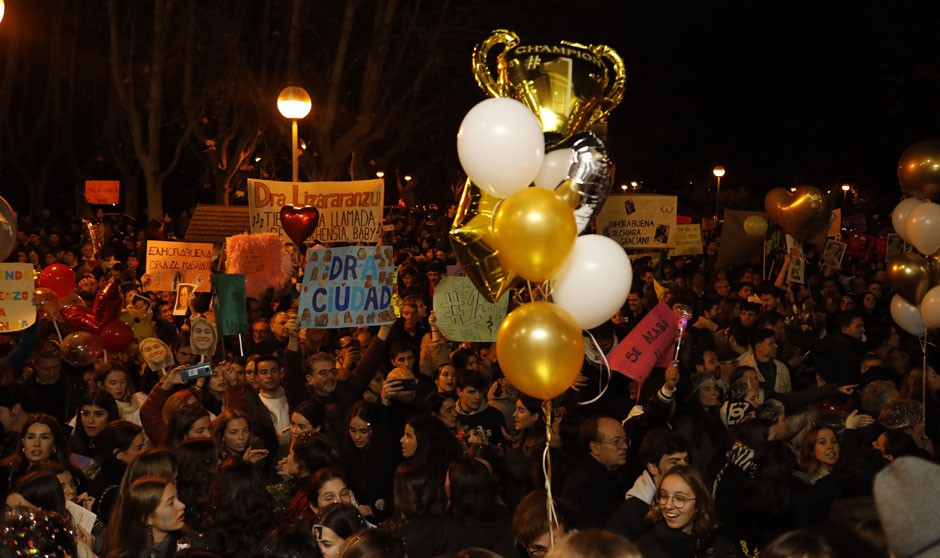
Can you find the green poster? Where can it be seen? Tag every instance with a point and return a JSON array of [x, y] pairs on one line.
[[231, 309]]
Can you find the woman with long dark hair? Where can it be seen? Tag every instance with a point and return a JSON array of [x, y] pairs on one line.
[[95, 410], [242, 508], [198, 464], [119, 443], [147, 522], [336, 524], [700, 423], [367, 458], [40, 438]]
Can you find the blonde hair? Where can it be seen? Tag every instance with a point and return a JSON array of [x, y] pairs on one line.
[[593, 543]]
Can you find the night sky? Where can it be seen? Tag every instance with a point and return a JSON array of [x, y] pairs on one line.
[[779, 93]]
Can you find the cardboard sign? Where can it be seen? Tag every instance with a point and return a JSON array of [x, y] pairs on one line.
[[231, 309], [649, 342], [688, 241], [463, 314], [172, 263], [835, 224], [349, 211], [832, 255], [103, 192], [639, 221], [736, 246], [16, 296], [796, 273], [347, 287]]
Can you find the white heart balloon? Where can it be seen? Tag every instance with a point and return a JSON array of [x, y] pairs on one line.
[[594, 282], [554, 168], [922, 227], [501, 146], [900, 214], [930, 309]]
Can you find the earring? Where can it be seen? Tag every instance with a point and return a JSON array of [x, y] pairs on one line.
[[54, 450], [150, 541]]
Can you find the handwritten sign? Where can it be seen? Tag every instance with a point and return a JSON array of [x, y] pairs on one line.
[[16, 296], [349, 286], [231, 309], [647, 344], [349, 211], [688, 241], [103, 192], [172, 263], [639, 221], [463, 314]]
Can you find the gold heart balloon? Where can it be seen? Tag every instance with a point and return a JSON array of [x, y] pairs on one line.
[[802, 214], [471, 237], [912, 275]]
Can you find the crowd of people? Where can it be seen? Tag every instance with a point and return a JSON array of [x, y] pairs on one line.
[[797, 420]]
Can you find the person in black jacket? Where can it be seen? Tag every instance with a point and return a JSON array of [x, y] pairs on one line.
[[597, 484]]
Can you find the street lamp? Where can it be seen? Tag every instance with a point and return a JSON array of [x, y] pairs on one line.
[[718, 171], [1, 10], [379, 174], [845, 191], [294, 103]]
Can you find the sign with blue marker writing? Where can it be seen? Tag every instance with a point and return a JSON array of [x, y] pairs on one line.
[[347, 287], [16, 296], [463, 314]]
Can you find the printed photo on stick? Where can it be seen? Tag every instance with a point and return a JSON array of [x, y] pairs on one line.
[[142, 303], [202, 337], [832, 255], [156, 353], [184, 294]]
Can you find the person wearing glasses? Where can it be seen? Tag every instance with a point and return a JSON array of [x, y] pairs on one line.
[[596, 485], [684, 519]]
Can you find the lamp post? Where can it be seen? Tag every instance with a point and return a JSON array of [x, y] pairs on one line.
[[2, 9], [294, 103], [718, 171], [845, 191]]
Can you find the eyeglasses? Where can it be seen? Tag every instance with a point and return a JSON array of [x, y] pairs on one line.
[[73, 483], [678, 501], [328, 372], [616, 442]]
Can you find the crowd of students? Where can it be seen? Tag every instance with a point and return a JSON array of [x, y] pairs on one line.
[[796, 421]]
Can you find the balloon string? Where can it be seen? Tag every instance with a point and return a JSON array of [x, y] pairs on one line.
[[105, 355], [241, 350], [57, 332], [923, 381], [547, 471], [605, 365]]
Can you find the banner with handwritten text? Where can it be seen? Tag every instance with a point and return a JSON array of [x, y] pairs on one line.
[[688, 240], [463, 314], [349, 211], [16, 296], [103, 192], [171, 263], [646, 345], [643, 221], [349, 286]]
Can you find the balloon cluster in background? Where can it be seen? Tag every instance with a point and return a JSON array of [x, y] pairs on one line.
[[915, 277], [98, 328], [519, 219]]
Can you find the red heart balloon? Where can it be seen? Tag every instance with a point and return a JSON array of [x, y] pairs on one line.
[[107, 303], [80, 318], [299, 222]]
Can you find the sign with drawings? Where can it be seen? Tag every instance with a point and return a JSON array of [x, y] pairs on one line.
[[347, 287], [648, 344], [349, 211], [463, 314]]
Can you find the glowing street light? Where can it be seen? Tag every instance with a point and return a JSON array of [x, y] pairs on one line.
[[1, 10], [623, 187], [845, 191], [407, 178], [718, 171], [379, 174], [294, 103]]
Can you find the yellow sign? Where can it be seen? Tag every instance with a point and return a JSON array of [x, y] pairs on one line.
[[349, 211], [639, 221], [688, 240], [16, 296], [171, 263]]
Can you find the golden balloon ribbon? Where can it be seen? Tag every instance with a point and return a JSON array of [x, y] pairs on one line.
[[547, 470]]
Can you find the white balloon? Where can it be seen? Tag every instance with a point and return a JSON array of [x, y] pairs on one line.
[[923, 228], [501, 146], [930, 309], [907, 316], [594, 282], [554, 168], [900, 213]]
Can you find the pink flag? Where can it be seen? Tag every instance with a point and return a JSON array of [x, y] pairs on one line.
[[649, 343]]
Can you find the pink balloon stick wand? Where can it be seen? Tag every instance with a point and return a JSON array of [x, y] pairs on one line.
[[683, 313]]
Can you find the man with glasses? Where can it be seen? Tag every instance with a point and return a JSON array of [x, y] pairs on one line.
[[595, 486], [661, 450], [261, 336]]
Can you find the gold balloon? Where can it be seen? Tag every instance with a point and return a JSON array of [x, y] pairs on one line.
[[919, 169], [540, 349], [755, 225], [7, 229], [911, 275], [802, 214], [534, 232], [471, 237], [569, 86]]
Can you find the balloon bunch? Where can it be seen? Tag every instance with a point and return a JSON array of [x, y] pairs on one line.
[[915, 277], [98, 328], [533, 235]]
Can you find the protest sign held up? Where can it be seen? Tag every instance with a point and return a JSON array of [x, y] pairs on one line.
[[349, 286]]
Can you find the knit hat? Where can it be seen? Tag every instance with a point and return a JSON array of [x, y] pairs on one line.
[[908, 502], [698, 380]]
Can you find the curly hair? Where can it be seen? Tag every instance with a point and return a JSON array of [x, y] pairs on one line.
[[705, 518], [242, 507]]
